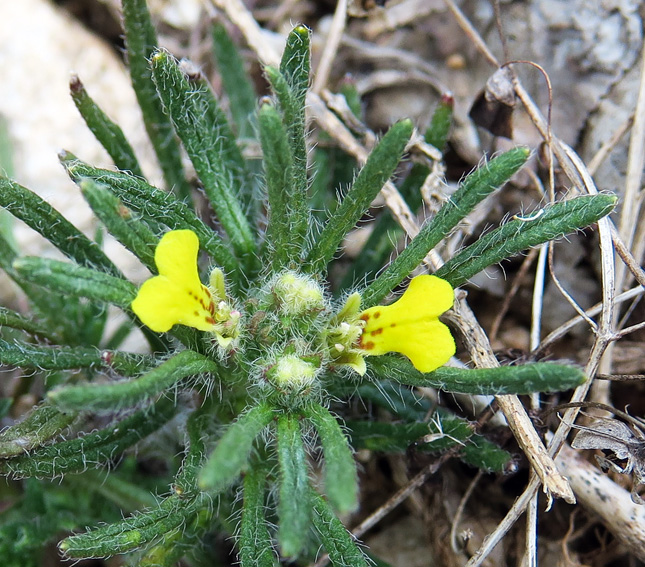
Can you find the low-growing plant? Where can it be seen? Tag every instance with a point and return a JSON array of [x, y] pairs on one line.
[[252, 359]]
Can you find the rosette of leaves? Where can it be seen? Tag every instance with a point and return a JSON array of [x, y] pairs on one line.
[[238, 414]]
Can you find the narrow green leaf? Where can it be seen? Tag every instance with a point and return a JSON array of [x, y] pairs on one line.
[[114, 487], [348, 88], [115, 340], [295, 63], [120, 222], [554, 222], [341, 480], [5, 406], [437, 132], [14, 320], [47, 221], [110, 397], [242, 101], [481, 453], [286, 228], [256, 549], [294, 69], [389, 437], [386, 232], [6, 159], [197, 426], [137, 531], [377, 170], [440, 434], [337, 541], [234, 448], [141, 42], [41, 424], [217, 120], [210, 144], [236, 81], [445, 428], [292, 110], [71, 279], [93, 449], [525, 379], [475, 187], [107, 132], [154, 204], [7, 255], [294, 506], [47, 307], [128, 363], [293, 120], [27, 355]]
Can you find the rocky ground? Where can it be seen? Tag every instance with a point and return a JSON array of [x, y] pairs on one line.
[[579, 96]]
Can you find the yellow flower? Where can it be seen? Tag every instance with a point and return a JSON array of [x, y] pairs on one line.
[[177, 295], [411, 325]]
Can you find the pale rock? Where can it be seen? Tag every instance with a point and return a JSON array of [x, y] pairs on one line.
[[40, 47]]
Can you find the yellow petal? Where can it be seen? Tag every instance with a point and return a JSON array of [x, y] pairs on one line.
[[176, 257], [356, 362], [410, 326], [176, 295]]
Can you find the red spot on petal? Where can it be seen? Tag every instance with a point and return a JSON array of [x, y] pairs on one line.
[[376, 331], [369, 345], [392, 324], [377, 314], [365, 317], [196, 313], [210, 320]]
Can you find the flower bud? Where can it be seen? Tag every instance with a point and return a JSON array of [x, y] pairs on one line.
[[297, 294], [291, 372]]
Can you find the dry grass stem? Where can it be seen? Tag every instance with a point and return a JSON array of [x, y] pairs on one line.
[[530, 550], [454, 526], [514, 514], [623, 518], [329, 122], [471, 33], [400, 59], [627, 257], [512, 292], [480, 351], [620, 377], [281, 13], [254, 35], [563, 329], [397, 15], [603, 152], [331, 46], [538, 296], [635, 160]]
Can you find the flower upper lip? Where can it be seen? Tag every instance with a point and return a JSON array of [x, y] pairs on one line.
[[177, 295]]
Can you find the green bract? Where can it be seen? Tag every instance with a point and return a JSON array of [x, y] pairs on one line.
[[248, 349]]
